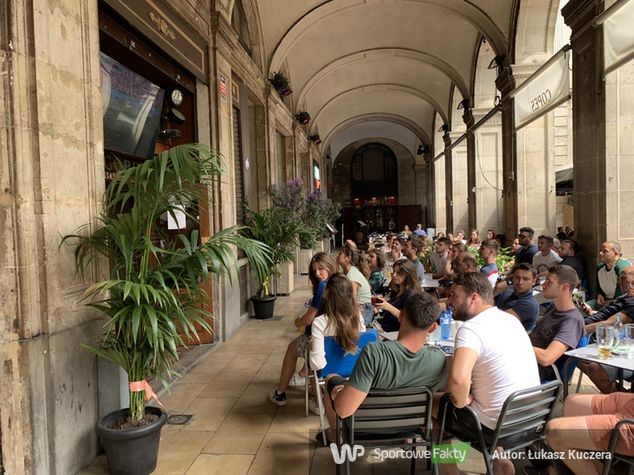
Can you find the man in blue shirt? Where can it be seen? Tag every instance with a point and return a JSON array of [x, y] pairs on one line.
[[528, 249], [518, 299]]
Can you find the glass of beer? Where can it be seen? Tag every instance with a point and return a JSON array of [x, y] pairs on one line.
[[606, 337]]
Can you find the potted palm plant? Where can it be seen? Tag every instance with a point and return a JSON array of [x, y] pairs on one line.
[[280, 230], [152, 290]]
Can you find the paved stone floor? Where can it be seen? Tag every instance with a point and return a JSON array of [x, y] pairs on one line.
[[235, 430]]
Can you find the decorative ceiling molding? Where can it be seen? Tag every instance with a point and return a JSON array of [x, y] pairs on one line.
[[378, 116], [462, 9], [377, 87], [426, 58]]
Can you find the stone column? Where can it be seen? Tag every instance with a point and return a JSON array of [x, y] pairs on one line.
[[505, 83], [431, 191], [448, 179], [467, 117], [588, 127]]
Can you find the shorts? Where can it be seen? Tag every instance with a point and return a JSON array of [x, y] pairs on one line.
[[607, 410], [302, 345], [461, 423]]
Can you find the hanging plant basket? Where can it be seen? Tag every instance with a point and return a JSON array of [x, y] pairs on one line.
[[281, 85], [303, 118]]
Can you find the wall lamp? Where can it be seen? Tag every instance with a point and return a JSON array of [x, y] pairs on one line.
[[422, 148], [315, 139], [496, 62]]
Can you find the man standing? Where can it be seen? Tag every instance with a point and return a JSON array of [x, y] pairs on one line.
[[488, 252], [568, 253], [411, 249], [562, 326], [527, 250], [492, 359], [406, 362], [546, 257], [518, 299], [438, 258]]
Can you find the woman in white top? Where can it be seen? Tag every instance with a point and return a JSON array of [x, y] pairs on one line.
[[341, 320], [348, 259]]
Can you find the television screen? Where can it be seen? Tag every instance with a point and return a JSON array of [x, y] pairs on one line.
[[131, 110]]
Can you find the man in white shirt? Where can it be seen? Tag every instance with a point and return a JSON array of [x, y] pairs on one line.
[[493, 358], [546, 257]]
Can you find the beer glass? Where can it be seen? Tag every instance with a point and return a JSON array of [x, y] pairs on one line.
[[606, 336]]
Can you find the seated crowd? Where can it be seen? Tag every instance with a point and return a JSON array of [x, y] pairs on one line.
[[505, 341]]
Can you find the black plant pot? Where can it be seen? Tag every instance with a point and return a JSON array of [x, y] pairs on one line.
[[263, 307], [131, 451]]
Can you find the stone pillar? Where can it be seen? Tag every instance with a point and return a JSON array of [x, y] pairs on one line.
[[448, 179], [467, 117], [588, 127], [505, 83], [430, 218]]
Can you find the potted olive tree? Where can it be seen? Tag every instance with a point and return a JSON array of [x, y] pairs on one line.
[[280, 230], [152, 291]]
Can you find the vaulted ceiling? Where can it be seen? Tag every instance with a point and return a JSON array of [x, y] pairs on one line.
[[359, 63]]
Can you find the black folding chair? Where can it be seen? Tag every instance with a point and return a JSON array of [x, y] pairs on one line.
[[395, 418], [521, 423], [616, 432]]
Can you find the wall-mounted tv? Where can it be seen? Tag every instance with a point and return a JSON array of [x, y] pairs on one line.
[[132, 108]]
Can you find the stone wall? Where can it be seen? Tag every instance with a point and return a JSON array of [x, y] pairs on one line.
[[51, 173]]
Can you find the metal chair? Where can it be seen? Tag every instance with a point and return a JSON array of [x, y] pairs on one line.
[[337, 362], [616, 432], [389, 418], [521, 422]]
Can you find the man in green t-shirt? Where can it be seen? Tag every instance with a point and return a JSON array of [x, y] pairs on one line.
[[403, 363]]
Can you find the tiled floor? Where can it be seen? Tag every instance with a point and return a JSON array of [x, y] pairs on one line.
[[235, 430]]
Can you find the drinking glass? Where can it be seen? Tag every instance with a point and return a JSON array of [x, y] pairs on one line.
[[606, 337], [629, 339]]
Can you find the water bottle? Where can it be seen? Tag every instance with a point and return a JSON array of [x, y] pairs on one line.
[[445, 324], [619, 329]]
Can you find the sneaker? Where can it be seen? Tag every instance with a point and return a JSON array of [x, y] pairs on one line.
[[297, 380], [313, 407], [278, 398]]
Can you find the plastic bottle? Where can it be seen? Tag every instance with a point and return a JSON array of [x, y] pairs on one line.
[[619, 329], [445, 324]]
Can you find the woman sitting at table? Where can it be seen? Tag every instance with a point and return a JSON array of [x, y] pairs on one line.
[[348, 259], [377, 274], [341, 320], [474, 240], [404, 282]]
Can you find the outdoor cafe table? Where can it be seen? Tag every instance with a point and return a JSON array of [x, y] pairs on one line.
[[591, 353]]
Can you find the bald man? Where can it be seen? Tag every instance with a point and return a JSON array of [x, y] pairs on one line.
[[611, 264], [602, 376], [624, 303]]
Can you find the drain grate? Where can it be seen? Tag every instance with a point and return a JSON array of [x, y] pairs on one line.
[[178, 419]]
